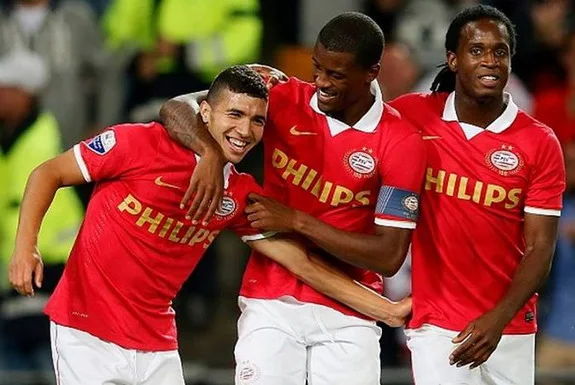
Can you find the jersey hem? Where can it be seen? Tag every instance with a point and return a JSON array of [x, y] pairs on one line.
[[81, 163], [540, 211], [113, 339], [394, 223], [259, 236]]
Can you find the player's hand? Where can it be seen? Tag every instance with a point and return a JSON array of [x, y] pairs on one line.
[[271, 75], [270, 215], [478, 340], [25, 266], [401, 311], [206, 187]]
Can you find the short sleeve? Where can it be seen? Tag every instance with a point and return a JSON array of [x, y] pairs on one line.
[[281, 97], [401, 171], [240, 225], [116, 152], [547, 180]]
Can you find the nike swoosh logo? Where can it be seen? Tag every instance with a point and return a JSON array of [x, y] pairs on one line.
[[431, 137], [161, 183], [296, 132]]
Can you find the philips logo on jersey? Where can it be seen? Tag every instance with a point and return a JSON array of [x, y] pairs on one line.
[[102, 143], [308, 179], [467, 189], [165, 227]]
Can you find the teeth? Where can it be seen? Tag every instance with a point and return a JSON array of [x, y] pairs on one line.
[[488, 77], [238, 143], [324, 94]]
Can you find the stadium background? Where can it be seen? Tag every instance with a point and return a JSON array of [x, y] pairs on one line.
[[134, 54]]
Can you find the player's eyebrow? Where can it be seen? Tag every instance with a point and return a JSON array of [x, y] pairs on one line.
[[260, 118], [236, 111]]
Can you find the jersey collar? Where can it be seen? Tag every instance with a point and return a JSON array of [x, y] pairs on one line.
[[503, 122], [227, 171], [368, 122]]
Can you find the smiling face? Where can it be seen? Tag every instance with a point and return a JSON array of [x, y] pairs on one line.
[[340, 81], [236, 121], [482, 62]]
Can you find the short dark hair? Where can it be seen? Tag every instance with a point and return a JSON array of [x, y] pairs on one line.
[[239, 79], [355, 33], [445, 79]]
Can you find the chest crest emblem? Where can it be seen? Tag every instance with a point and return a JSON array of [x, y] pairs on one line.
[[504, 160], [360, 163]]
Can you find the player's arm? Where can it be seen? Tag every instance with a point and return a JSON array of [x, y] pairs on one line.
[[325, 278], [542, 210], [41, 187], [383, 252], [481, 337]]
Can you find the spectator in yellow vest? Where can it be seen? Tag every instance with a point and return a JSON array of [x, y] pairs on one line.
[[28, 137]]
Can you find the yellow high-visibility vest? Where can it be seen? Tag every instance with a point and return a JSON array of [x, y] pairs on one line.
[[218, 33], [40, 142]]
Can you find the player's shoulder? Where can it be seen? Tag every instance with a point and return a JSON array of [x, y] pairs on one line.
[[420, 101], [537, 131], [294, 88], [396, 124], [139, 132]]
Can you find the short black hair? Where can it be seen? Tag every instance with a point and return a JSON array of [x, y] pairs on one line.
[[356, 33], [445, 79], [239, 79]]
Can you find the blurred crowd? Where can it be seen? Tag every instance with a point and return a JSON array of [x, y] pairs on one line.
[[69, 68]]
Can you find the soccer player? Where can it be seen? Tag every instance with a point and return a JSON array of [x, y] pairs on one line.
[[490, 207], [111, 319], [343, 159]]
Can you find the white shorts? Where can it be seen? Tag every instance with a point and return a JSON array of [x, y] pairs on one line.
[[512, 362], [81, 358], [286, 342]]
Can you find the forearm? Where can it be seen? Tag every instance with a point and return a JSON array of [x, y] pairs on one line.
[[38, 195], [337, 285], [182, 120], [529, 277], [325, 278], [373, 252]]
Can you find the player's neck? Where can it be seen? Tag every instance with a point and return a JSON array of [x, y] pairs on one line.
[[478, 112], [356, 111]]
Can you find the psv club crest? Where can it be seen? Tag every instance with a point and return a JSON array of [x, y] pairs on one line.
[[360, 163], [227, 207], [504, 160]]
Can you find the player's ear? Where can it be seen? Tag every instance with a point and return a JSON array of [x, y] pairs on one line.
[[452, 61], [205, 111], [373, 72]]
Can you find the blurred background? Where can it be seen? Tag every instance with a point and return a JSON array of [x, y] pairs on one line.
[[69, 68]]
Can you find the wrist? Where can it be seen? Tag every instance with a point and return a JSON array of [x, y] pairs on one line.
[[299, 222], [25, 244], [503, 314], [215, 155]]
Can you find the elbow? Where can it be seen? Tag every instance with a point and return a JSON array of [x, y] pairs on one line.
[[390, 266], [46, 174], [389, 270], [165, 110]]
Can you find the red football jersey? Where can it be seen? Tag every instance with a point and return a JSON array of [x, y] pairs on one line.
[[347, 177], [479, 183], [135, 248]]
